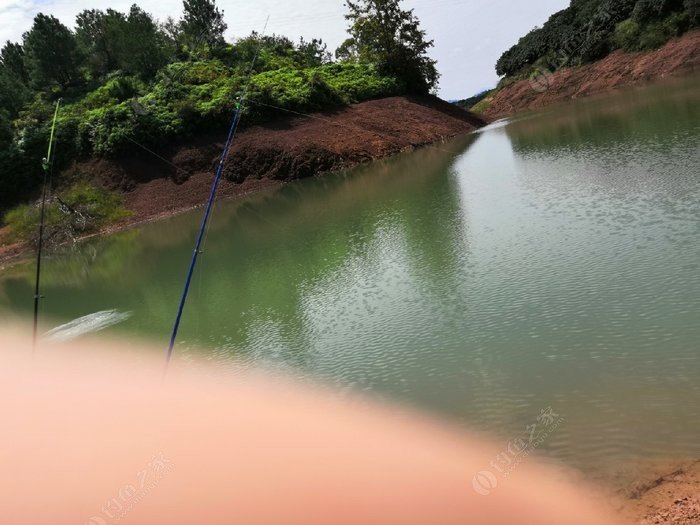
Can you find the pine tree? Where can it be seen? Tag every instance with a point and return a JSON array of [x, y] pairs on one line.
[[51, 53], [12, 59], [203, 23]]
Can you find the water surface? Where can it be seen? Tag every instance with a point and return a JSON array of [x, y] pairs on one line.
[[551, 261]]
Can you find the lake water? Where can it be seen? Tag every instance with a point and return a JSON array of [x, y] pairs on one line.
[[551, 261]]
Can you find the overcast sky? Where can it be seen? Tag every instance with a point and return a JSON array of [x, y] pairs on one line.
[[469, 35]]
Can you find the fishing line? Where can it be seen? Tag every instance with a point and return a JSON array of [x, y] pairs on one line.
[[212, 198], [245, 91], [47, 167], [177, 168]]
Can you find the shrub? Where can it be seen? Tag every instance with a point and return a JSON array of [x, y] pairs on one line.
[[80, 210], [656, 34], [482, 105], [97, 206], [317, 88], [627, 35], [15, 184], [114, 91], [23, 221], [103, 130], [677, 24], [358, 82], [652, 36]]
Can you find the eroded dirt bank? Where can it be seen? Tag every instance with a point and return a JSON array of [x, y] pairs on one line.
[[173, 179], [619, 69], [292, 147]]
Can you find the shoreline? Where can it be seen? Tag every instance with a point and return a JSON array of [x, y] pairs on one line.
[[656, 491], [679, 57], [263, 157], [12, 254]]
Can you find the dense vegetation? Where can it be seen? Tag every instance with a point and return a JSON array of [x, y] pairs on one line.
[[590, 29], [126, 78]]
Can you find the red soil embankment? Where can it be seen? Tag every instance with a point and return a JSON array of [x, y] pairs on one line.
[[619, 69], [291, 147]]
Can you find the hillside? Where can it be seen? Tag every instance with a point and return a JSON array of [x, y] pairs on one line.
[[594, 46], [128, 83], [589, 30], [290, 147], [617, 70], [124, 114]]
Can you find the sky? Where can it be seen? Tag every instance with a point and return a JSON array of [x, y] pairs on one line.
[[469, 35]]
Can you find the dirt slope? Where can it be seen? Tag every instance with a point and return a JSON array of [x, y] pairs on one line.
[[619, 69], [292, 147]]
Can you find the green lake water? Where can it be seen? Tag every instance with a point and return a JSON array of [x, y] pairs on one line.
[[551, 261]]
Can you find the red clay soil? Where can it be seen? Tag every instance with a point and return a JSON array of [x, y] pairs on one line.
[[292, 147], [619, 69]]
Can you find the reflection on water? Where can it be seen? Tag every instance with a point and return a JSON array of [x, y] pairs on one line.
[[553, 261]]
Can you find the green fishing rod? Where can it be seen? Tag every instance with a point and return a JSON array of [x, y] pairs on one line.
[[47, 168]]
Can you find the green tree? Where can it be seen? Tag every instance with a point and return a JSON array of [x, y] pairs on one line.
[[112, 40], [13, 94], [13, 88], [314, 53], [142, 44], [384, 34], [96, 32], [627, 35], [203, 23], [12, 58], [51, 53]]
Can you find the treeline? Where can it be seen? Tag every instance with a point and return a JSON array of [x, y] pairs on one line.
[[588, 30], [470, 102], [127, 78]]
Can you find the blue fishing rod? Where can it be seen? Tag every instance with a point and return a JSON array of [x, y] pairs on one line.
[[47, 167], [203, 227], [240, 104]]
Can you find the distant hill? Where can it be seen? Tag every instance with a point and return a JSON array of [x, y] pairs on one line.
[[620, 69], [470, 102]]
